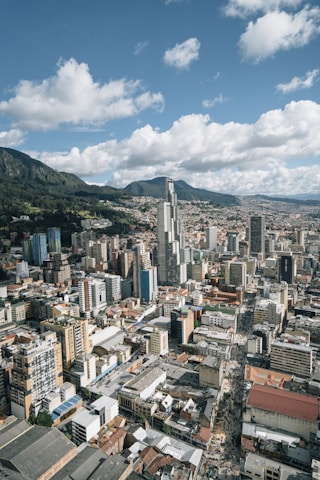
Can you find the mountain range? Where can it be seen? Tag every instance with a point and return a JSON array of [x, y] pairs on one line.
[[20, 170], [24, 177]]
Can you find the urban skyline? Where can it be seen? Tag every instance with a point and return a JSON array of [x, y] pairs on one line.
[[216, 370]]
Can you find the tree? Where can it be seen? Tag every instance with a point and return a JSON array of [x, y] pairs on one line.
[[44, 419], [166, 429], [32, 418], [141, 418]]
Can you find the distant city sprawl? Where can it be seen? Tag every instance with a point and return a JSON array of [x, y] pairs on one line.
[[184, 346]]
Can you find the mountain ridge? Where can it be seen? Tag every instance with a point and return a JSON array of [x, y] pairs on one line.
[[18, 167], [21, 173], [156, 188]]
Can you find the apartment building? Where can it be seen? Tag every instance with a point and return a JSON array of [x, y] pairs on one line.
[[182, 324], [73, 335], [37, 371], [159, 342]]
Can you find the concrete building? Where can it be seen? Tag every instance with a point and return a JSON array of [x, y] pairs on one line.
[[32, 452], [5, 313], [149, 284], [211, 238], [218, 316], [141, 262], [256, 466], [159, 342], [97, 250], [141, 387], [232, 241], [18, 312], [85, 425], [268, 311], [294, 358], [106, 408], [254, 344], [171, 270], [283, 410], [83, 371], [236, 274], [199, 270], [37, 371], [85, 297], [56, 269], [98, 293], [211, 372], [73, 335], [85, 465], [206, 334], [126, 263], [182, 324], [113, 288]]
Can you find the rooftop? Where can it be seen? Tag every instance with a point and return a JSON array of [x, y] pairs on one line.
[[283, 402], [34, 451]]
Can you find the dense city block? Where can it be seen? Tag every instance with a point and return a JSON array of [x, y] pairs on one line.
[[185, 347]]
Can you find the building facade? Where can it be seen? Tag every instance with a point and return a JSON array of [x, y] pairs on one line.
[[37, 371], [54, 239], [256, 235], [171, 270], [73, 335]]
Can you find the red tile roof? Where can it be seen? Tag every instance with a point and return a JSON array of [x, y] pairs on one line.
[[286, 403]]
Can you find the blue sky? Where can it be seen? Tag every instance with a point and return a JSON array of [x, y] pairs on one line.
[[223, 94]]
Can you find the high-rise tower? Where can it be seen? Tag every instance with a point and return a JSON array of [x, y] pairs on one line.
[[172, 271], [256, 235], [211, 238], [39, 245], [54, 239]]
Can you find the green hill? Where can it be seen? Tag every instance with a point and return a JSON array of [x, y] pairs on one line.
[[49, 198], [156, 188]]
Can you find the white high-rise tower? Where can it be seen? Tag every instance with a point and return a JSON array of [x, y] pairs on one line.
[[170, 240]]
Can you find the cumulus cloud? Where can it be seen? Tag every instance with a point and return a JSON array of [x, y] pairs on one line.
[[139, 47], [168, 2], [72, 97], [245, 8], [211, 103], [11, 138], [231, 157], [279, 30], [182, 54], [299, 83]]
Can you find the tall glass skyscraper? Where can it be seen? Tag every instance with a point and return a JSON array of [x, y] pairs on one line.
[[171, 270], [39, 246], [54, 239], [256, 235]]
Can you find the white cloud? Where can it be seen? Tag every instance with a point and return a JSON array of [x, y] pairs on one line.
[[299, 83], [231, 157], [245, 8], [182, 54], [168, 2], [211, 103], [11, 138], [279, 31], [139, 47], [72, 97]]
